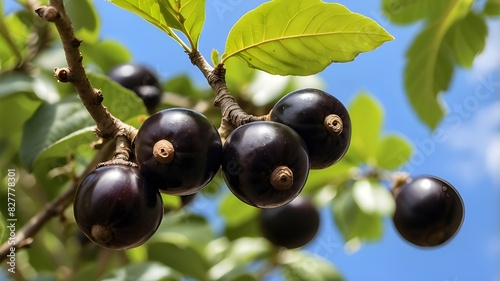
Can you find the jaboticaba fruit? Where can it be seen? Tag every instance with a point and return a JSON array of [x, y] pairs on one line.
[[140, 79], [265, 164], [178, 150], [292, 225], [115, 209], [429, 211], [320, 119]]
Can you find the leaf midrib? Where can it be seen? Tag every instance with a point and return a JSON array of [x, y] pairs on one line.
[[284, 38]]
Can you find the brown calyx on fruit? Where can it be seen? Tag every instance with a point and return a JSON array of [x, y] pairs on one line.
[[282, 178], [101, 233], [333, 124], [163, 151]]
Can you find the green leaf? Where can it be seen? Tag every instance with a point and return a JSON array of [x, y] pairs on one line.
[[121, 102], [187, 16], [51, 123], [147, 271], [240, 253], [430, 66], [410, 11], [301, 37], [106, 54], [359, 210], [392, 152], [3, 229], [492, 8], [302, 266], [13, 40], [367, 117], [467, 38], [85, 20], [182, 258]]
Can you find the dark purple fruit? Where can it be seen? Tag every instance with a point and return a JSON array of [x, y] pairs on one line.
[[115, 209], [265, 164], [178, 151], [140, 79], [292, 225], [429, 211], [320, 119]]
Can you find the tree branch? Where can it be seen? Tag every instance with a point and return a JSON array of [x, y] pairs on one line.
[[107, 125], [232, 114], [24, 237]]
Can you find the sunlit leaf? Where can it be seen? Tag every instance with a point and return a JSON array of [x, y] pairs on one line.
[[409, 11], [392, 152], [189, 15], [360, 208], [14, 41], [231, 203], [467, 38], [430, 66], [148, 271], [367, 118], [301, 37]]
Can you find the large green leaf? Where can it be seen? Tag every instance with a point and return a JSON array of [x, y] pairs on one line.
[[409, 11], [467, 38], [85, 20], [147, 271], [392, 152], [50, 124], [301, 37], [359, 210], [302, 266], [430, 66], [492, 8], [367, 118], [188, 16]]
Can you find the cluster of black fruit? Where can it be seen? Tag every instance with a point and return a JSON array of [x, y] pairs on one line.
[[265, 164]]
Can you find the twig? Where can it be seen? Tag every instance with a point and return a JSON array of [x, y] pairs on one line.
[[24, 237], [232, 114], [107, 125]]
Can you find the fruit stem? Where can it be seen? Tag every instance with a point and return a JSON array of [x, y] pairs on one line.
[[101, 233], [282, 178], [398, 180], [163, 151], [333, 124]]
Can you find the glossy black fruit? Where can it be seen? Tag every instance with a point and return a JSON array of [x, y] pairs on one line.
[[178, 150], [429, 211], [292, 225], [115, 209], [140, 79], [265, 164], [320, 119]]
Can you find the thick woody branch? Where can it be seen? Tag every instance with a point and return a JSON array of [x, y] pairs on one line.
[[232, 114], [107, 125]]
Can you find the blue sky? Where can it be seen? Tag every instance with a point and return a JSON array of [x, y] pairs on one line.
[[465, 149]]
